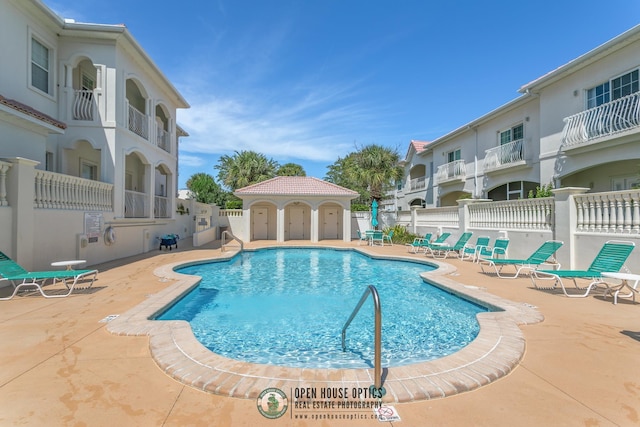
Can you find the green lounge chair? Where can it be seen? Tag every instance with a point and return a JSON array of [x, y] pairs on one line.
[[12, 272], [498, 248], [470, 250], [419, 243], [539, 257], [611, 258], [438, 242], [362, 238], [443, 251], [387, 237]]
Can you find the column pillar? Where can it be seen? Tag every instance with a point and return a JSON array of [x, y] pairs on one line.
[[20, 196], [564, 223]]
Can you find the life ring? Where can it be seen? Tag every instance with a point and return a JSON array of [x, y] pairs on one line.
[[109, 236]]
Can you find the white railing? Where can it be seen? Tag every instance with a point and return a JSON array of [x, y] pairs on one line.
[[163, 139], [138, 122], [161, 207], [230, 212], [606, 119], [135, 204], [525, 214], [453, 170], [418, 183], [83, 105], [58, 191], [611, 212], [4, 167], [505, 154], [438, 216]]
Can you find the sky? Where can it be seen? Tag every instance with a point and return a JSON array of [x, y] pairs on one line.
[[309, 81]]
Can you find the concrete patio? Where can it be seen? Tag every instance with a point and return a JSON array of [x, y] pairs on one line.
[[62, 367]]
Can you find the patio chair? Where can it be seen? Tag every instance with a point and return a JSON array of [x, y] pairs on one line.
[[387, 237], [443, 251], [362, 238], [438, 242], [419, 243], [471, 250], [12, 272], [539, 257], [376, 236], [611, 258], [498, 248]]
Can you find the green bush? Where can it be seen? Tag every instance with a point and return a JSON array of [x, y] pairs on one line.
[[356, 207], [400, 234], [234, 204]]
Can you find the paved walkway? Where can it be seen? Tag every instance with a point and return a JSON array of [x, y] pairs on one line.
[[62, 367]]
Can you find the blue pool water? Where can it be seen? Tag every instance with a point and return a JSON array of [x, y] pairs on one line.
[[287, 307]]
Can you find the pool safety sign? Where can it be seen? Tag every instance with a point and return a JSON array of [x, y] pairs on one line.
[[387, 414]]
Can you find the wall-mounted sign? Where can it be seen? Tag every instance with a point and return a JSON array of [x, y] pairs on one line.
[[93, 225]]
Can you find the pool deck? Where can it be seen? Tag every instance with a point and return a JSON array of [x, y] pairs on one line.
[[62, 366]]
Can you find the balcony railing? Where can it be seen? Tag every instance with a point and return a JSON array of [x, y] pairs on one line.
[[606, 119], [83, 105], [161, 207], [163, 139], [135, 204], [504, 155], [455, 170], [418, 183], [59, 191], [138, 123]]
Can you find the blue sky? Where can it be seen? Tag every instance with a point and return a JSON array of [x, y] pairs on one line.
[[308, 81]]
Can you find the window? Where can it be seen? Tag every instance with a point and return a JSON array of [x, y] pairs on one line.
[[616, 88], [625, 183], [48, 161], [452, 156], [512, 134], [88, 170], [40, 62]]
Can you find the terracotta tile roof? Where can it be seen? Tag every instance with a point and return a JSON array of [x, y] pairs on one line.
[[295, 186], [419, 145], [12, 103]]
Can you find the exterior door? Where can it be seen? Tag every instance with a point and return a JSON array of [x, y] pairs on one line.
[[296, 223], [260, 223], [331, 223]]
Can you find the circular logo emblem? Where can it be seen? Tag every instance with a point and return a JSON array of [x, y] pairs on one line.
[[272, 403]]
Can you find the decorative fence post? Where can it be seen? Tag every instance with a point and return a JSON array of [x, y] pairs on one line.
[[566, 222]]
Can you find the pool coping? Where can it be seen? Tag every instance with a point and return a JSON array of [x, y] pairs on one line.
[[496, 351]]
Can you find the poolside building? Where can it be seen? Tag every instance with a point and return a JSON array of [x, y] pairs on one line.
[[88, 140]]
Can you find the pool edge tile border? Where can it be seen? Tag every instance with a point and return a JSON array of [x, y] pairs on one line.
[[495, 352]]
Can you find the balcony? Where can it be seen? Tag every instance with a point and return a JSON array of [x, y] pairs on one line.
[[135, 204], [506, 156], [611, 118], [138, 123], [163, 139], [451, 172], [418, 183], [161, 207], [83, 105]]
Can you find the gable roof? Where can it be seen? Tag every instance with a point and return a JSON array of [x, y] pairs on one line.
[[295, 186]]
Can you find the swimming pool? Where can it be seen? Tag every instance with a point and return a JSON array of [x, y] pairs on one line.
[[287, 306]]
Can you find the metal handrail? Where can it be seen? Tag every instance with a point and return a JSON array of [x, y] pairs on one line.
[[377, 372], [226, 233]]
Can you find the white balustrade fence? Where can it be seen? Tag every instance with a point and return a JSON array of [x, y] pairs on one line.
[[611, 212], [58, 191], [230, 212], [447, 216], [606, 119], [525, 214], [4, 167]]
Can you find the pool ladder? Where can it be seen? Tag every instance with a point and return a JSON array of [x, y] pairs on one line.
[[377, 366], [225, 233]]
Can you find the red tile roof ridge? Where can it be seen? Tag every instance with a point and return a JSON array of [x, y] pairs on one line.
[[19, 106], [296, 185]]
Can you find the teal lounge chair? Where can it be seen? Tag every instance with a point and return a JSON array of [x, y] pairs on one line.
[[539, 257], [498, 248], [362, 238], [443, 251], [439, 241], [21, 278], [611, 258], [471, 250], [387, 237], [419, 243]]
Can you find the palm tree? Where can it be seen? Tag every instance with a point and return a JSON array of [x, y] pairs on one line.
[[245, 168], [205, 190], [377, 168], [291, 169]]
